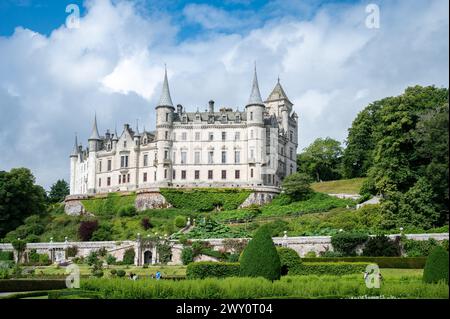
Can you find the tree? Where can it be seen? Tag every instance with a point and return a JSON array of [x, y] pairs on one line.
[[87, 228], [260, 257], [321, 160], [297, 186], [58, 191], [436, 267], [19, 246], [20, 197]]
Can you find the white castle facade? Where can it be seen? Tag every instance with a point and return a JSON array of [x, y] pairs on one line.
[[215, 148]]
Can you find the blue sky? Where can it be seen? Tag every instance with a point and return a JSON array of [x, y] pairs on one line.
[[53, 78]]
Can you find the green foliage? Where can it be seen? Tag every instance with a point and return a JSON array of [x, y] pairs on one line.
[[20, 197], [6, 255], [311, 254], [436, 268], [205, 200], [164, 250], [329, 268], [187, 255], [19, 246], [109, 205], [260, 257], [87, 229], [180, 221], [417, 248], [382, 262], [277, 227], [111, 260], [121, 273], [128, 257], [210, 228], [238, 215], [102, 233], [71, 251], [92, 258], [289, 259], [58, 191], [346, 243], [382, 246], [298, 186], [127, 211], [321, 160], [201, 270]]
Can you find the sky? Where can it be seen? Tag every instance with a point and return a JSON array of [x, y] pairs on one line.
[[56, 74]]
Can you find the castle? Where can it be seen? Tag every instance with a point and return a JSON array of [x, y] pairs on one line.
[[256, 147]]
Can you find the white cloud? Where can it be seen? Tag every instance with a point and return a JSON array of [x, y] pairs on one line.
[[330, 66]]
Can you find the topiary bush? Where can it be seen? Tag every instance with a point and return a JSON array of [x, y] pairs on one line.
[[289, 259], [180, 221], [128, 257], [187, 255], [120, 273], [346, 243], [260, 257], [382, 246], [201, 270], [436, 267]]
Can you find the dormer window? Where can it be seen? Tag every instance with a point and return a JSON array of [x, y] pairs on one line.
[[184, 118], [124, 144], [197, 117], [238, 118], [224, 118]]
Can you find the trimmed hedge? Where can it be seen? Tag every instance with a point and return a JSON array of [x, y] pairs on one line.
[[205, 269], [16, 285], [205, 200], [289, 259], [382, 262], [330, 268], [436, 268], [6, 255]]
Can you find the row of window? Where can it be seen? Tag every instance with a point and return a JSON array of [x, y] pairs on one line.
[[197, 136]]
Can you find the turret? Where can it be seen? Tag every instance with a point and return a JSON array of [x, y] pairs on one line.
[[94, 142], [165, 108], [94, 138], [255, 106]]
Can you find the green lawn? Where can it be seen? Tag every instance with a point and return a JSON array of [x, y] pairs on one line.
[[344, 186]]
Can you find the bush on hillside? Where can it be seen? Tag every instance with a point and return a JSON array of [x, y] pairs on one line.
[[436, 268], [145, 223], [87, 228], [382, 246], [180, 221], [201, 270], [346, 243], [298, 186], [289, 259], [127, 211], [260, 257]]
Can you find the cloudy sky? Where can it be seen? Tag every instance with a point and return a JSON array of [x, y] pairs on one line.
[[54, 77]]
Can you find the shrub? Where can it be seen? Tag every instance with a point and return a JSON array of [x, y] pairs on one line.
[[289, 259], [381, 246], [260, 257], [121, 273], [311, 254], [128, 257], [44, 259], [329, 268], [87, 228], [92, 258], [145, 223], [6, 255], [127, 211], [382, 262], [180, 221], [277, 228], [346, 243], [187, 255], [201, 270], [297, 186], [19, 246], [98, 273], [416, 248], [113, 272], [436, 268], [111, 260]]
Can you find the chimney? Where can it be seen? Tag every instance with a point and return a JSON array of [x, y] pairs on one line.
[[211, 106], [179, 109]]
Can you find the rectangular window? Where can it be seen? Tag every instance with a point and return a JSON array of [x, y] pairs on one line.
[[252, 154], [174, 175], [291, 151], [224, 174], [166, 155], [145, 160], [224, 157], [183, 157], [108, 181], [145, 177], [251, 134], [251, 173], [237, 157], [197, 174], [154, 176], [166, 135], [291, 136], [128, 178], [197, 136], [120, 179], [165, 173], [197, 157], [100, 165], [109, 165], [251, 116], [237, 174], [99, 182], [237, 136], [224, 136], [210, 174], [211, 157], [167, 117], [184, 136], [124, 161], [211, 136], [183, 174], [174, 136]]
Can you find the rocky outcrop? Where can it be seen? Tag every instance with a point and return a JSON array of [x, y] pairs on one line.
[[150, 199]]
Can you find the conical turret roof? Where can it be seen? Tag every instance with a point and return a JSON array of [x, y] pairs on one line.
[[278, 93], [165, 99], [75, 147], [255, 96], [95, 135]]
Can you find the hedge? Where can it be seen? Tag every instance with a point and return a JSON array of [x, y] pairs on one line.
[[16, 285], [330, 268], [382, 262], [436, 268], [205, 200], [6, 255], [204, 269]]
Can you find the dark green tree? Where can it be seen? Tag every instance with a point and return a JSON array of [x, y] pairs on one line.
[[20, 197], [58, 191], [297, 186], [321, 160], [436, 267], [260, 257]]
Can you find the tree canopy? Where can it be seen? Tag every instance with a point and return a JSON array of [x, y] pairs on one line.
[[58, 191]]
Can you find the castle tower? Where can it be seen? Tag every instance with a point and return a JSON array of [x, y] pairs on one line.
[[255, 132], [94, 145], [164, 120], [279, 105], [73, 167]]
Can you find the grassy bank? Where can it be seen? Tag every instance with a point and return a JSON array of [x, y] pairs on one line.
[[344, 186]]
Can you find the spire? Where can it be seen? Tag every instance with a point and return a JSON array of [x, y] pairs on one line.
[[116, 136], [255, 96], [94, 134], [75, 147], [137, 128], [278, 93], [165, 99]]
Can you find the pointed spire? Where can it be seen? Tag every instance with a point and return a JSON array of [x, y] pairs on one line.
[[278, 93], [75, 147], [94, 134], [165, 99], [137, 128], [116, 136], [255, 96]]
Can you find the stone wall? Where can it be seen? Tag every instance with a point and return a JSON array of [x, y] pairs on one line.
[[150, 199], [260, 196]]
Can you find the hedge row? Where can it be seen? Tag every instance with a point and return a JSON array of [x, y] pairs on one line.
[[329, 268], [16, 285], [204, 269], [382, 262], [6, 255]]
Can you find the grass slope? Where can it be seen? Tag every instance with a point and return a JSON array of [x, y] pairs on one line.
[[344, 186]]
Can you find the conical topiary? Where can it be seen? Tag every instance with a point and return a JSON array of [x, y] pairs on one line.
[[436, 267], [260, 257]]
